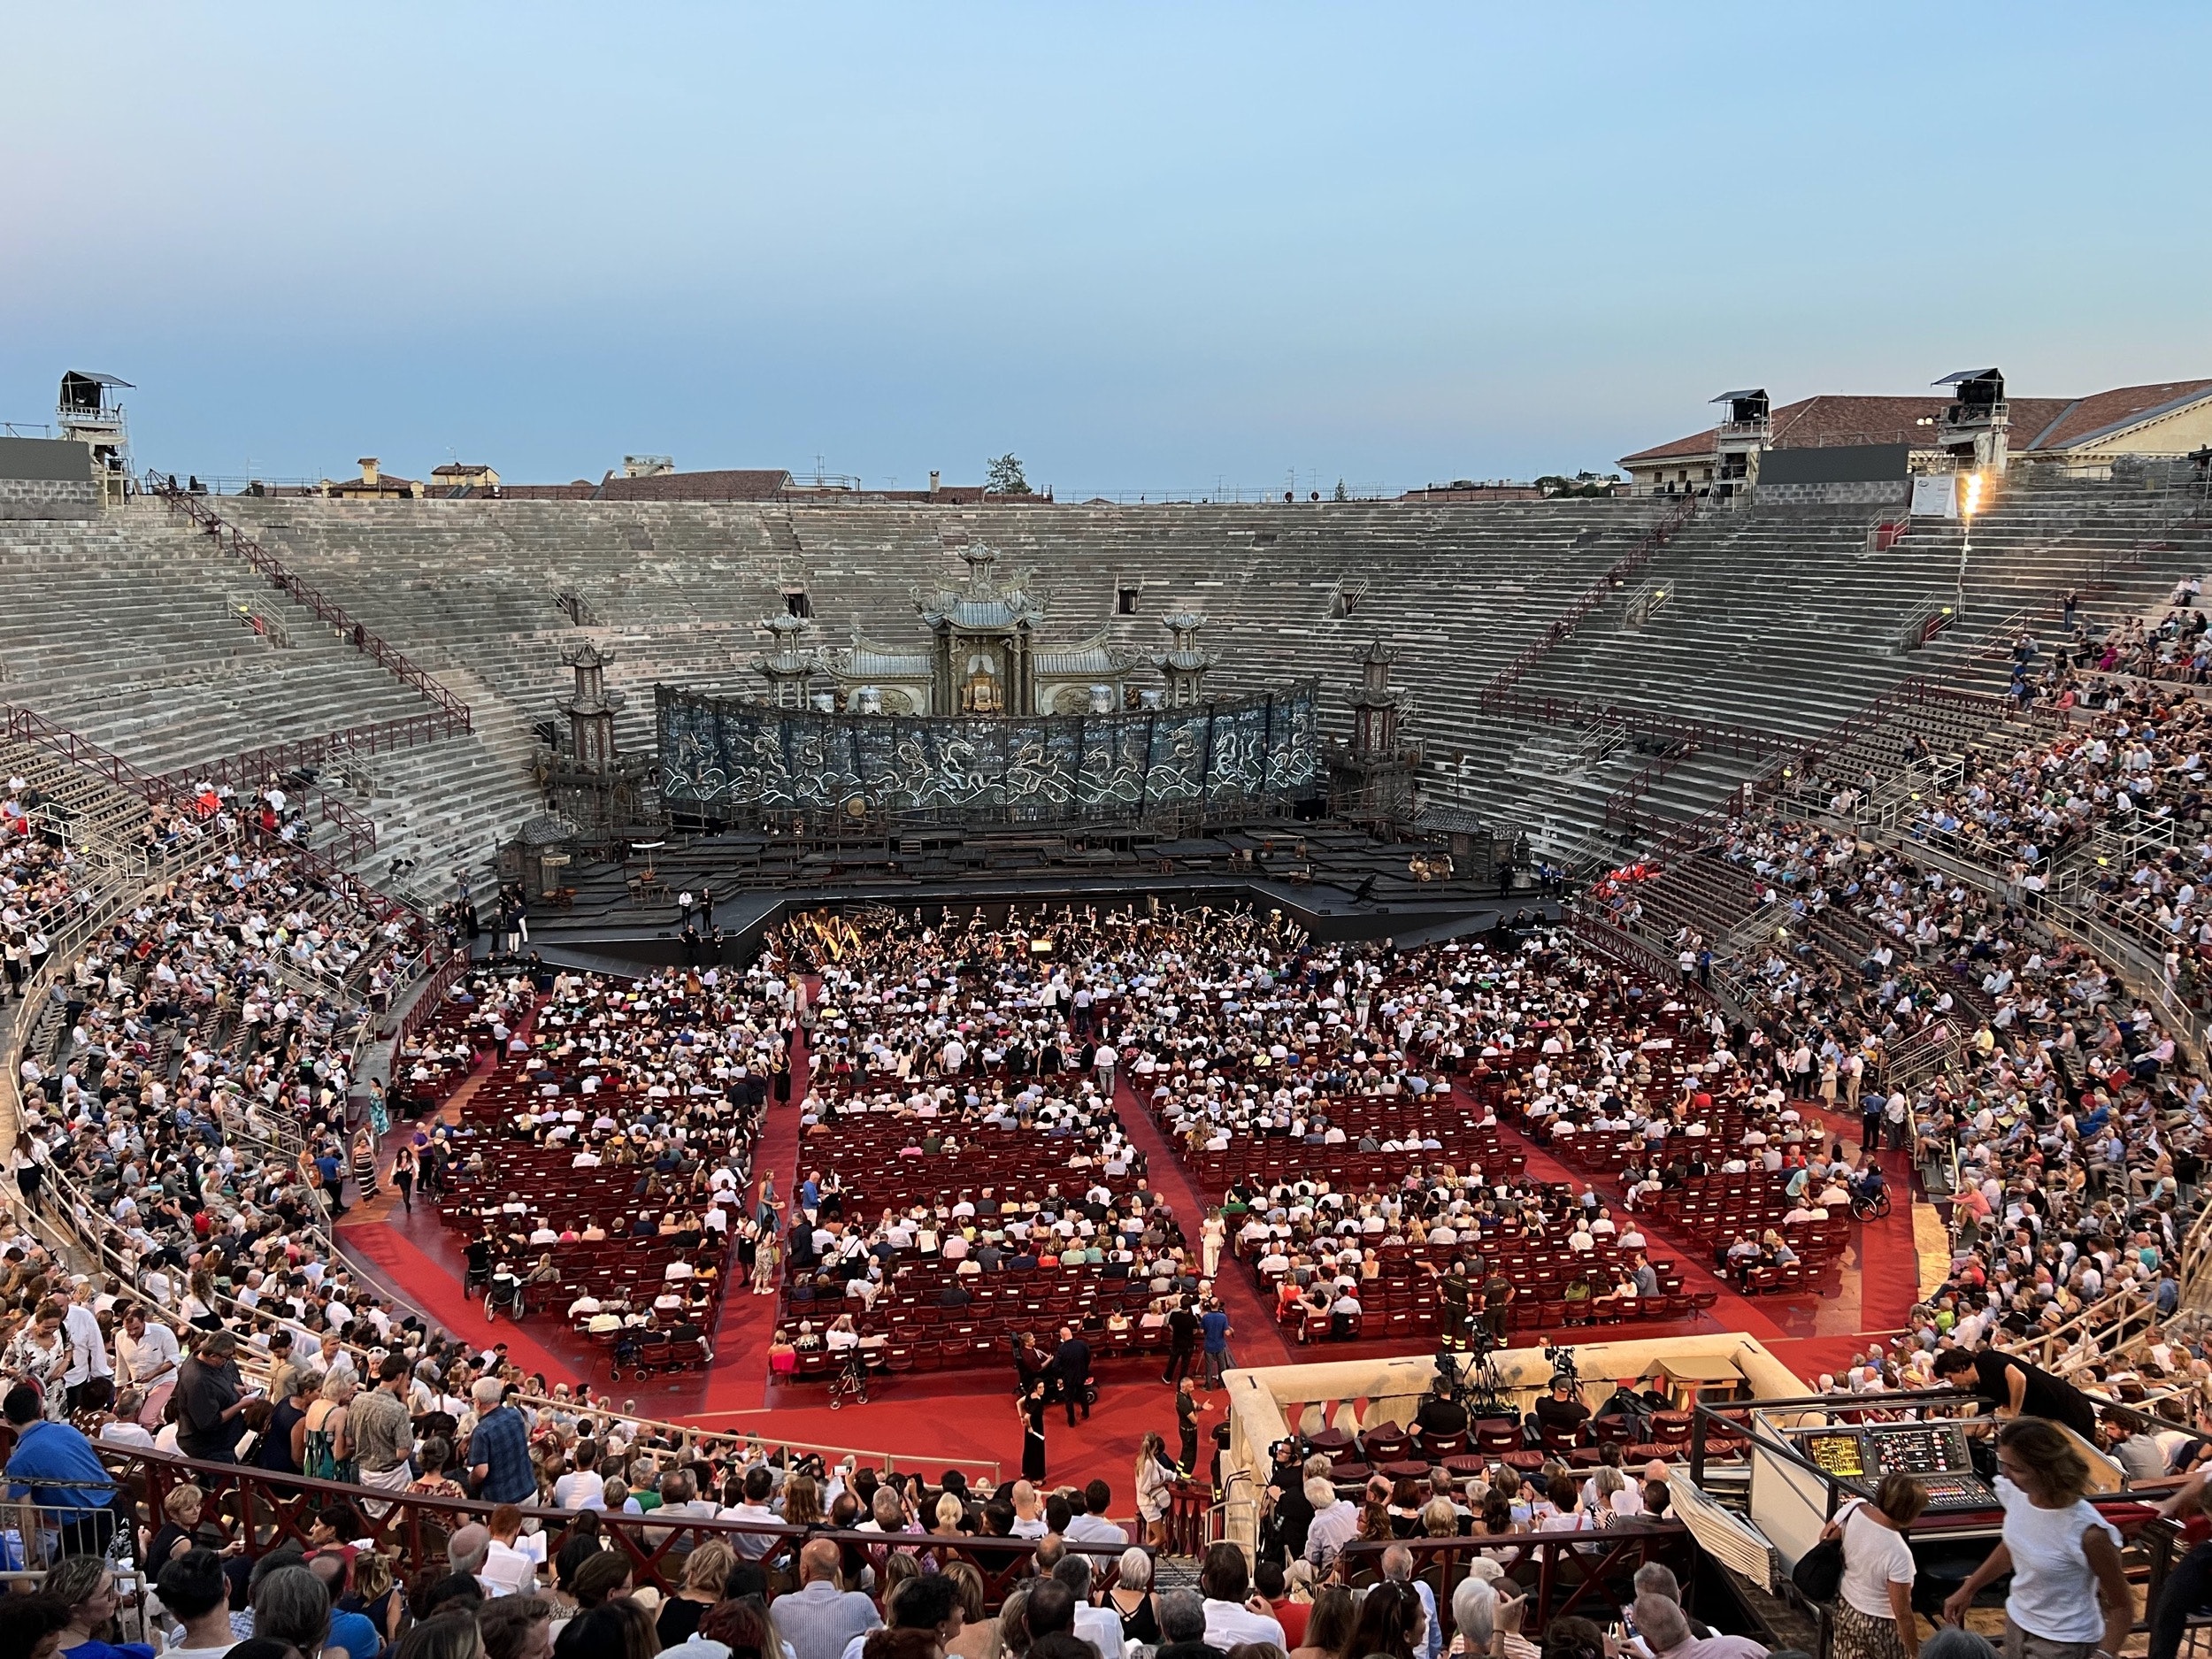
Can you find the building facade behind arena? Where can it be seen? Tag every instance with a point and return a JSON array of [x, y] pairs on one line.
[[1978, 423]]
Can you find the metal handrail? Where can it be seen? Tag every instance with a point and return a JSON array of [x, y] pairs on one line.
[[400, 666], [1591, 597]]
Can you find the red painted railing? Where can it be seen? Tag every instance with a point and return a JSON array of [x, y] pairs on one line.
[[357, 834], [425, 1007], [27, 726], [1591, 598], [263, 1512], [273, 760], [393, 661]]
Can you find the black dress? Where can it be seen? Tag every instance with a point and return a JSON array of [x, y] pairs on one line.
[[1033, 1440]]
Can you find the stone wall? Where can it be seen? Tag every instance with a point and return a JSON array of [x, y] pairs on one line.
[[49, 498], [1882, 492]]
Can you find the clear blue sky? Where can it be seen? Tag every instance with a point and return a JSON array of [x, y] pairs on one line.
[[1143, 246]]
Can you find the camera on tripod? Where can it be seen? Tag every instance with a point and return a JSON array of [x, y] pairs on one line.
[[1563, 1364]]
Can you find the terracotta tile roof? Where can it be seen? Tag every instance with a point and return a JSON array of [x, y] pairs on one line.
[[1826, 422], [1698, 444], [1815, 422], [2086, 417]]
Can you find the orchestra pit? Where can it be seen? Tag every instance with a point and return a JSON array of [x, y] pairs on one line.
[[1476, 1070]]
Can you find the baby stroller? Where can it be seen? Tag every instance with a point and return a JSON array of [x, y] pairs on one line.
[[851, 1382], [504, 1290]]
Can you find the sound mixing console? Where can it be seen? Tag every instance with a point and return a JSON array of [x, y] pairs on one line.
[[1934, 1454]]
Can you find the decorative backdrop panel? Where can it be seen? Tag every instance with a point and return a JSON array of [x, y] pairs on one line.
[[718, 751]]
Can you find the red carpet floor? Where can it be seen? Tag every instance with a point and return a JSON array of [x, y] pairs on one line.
[[1255, 1338], [924, 1418], [438, 1293]]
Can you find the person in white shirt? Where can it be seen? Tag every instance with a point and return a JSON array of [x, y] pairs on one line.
[[1227, 1581], [1335, 1523], [506, 1569], [1101, 1627], [88, 1348], [150, 1353], [582, 1488], [755, 1511], [123, 1427], [1029, 1511], [1092, 1526]]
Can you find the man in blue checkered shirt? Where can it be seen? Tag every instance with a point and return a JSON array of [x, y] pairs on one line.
[[499, 1450]]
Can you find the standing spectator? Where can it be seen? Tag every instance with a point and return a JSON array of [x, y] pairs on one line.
[[1873, 1105], [1216, 1325], [1032, 1417], [2060, 1551], [148, 1350], [1874, 1616], [1188, 1407], [382, 1432], [56, 1468], [499, 1450], [90, 1379], [211, 1394], [1182, 1340], [1156, 1489], [1072, 1371]]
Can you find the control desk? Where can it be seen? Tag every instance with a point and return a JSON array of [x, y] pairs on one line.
[[1934, 1454]]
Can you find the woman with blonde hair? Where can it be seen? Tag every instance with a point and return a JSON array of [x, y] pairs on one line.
[[86, 1585], [1156, 1489], [705, 1571], [978, 1634], [948, 1514], [326, 1446], [2060, 1552], [374, 1595]]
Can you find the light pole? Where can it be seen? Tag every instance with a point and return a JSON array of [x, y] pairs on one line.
[[1970, 500]]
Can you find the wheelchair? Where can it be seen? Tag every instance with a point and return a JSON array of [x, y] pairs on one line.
[[1868, 1204], [851, 1382], [503, 1290]]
